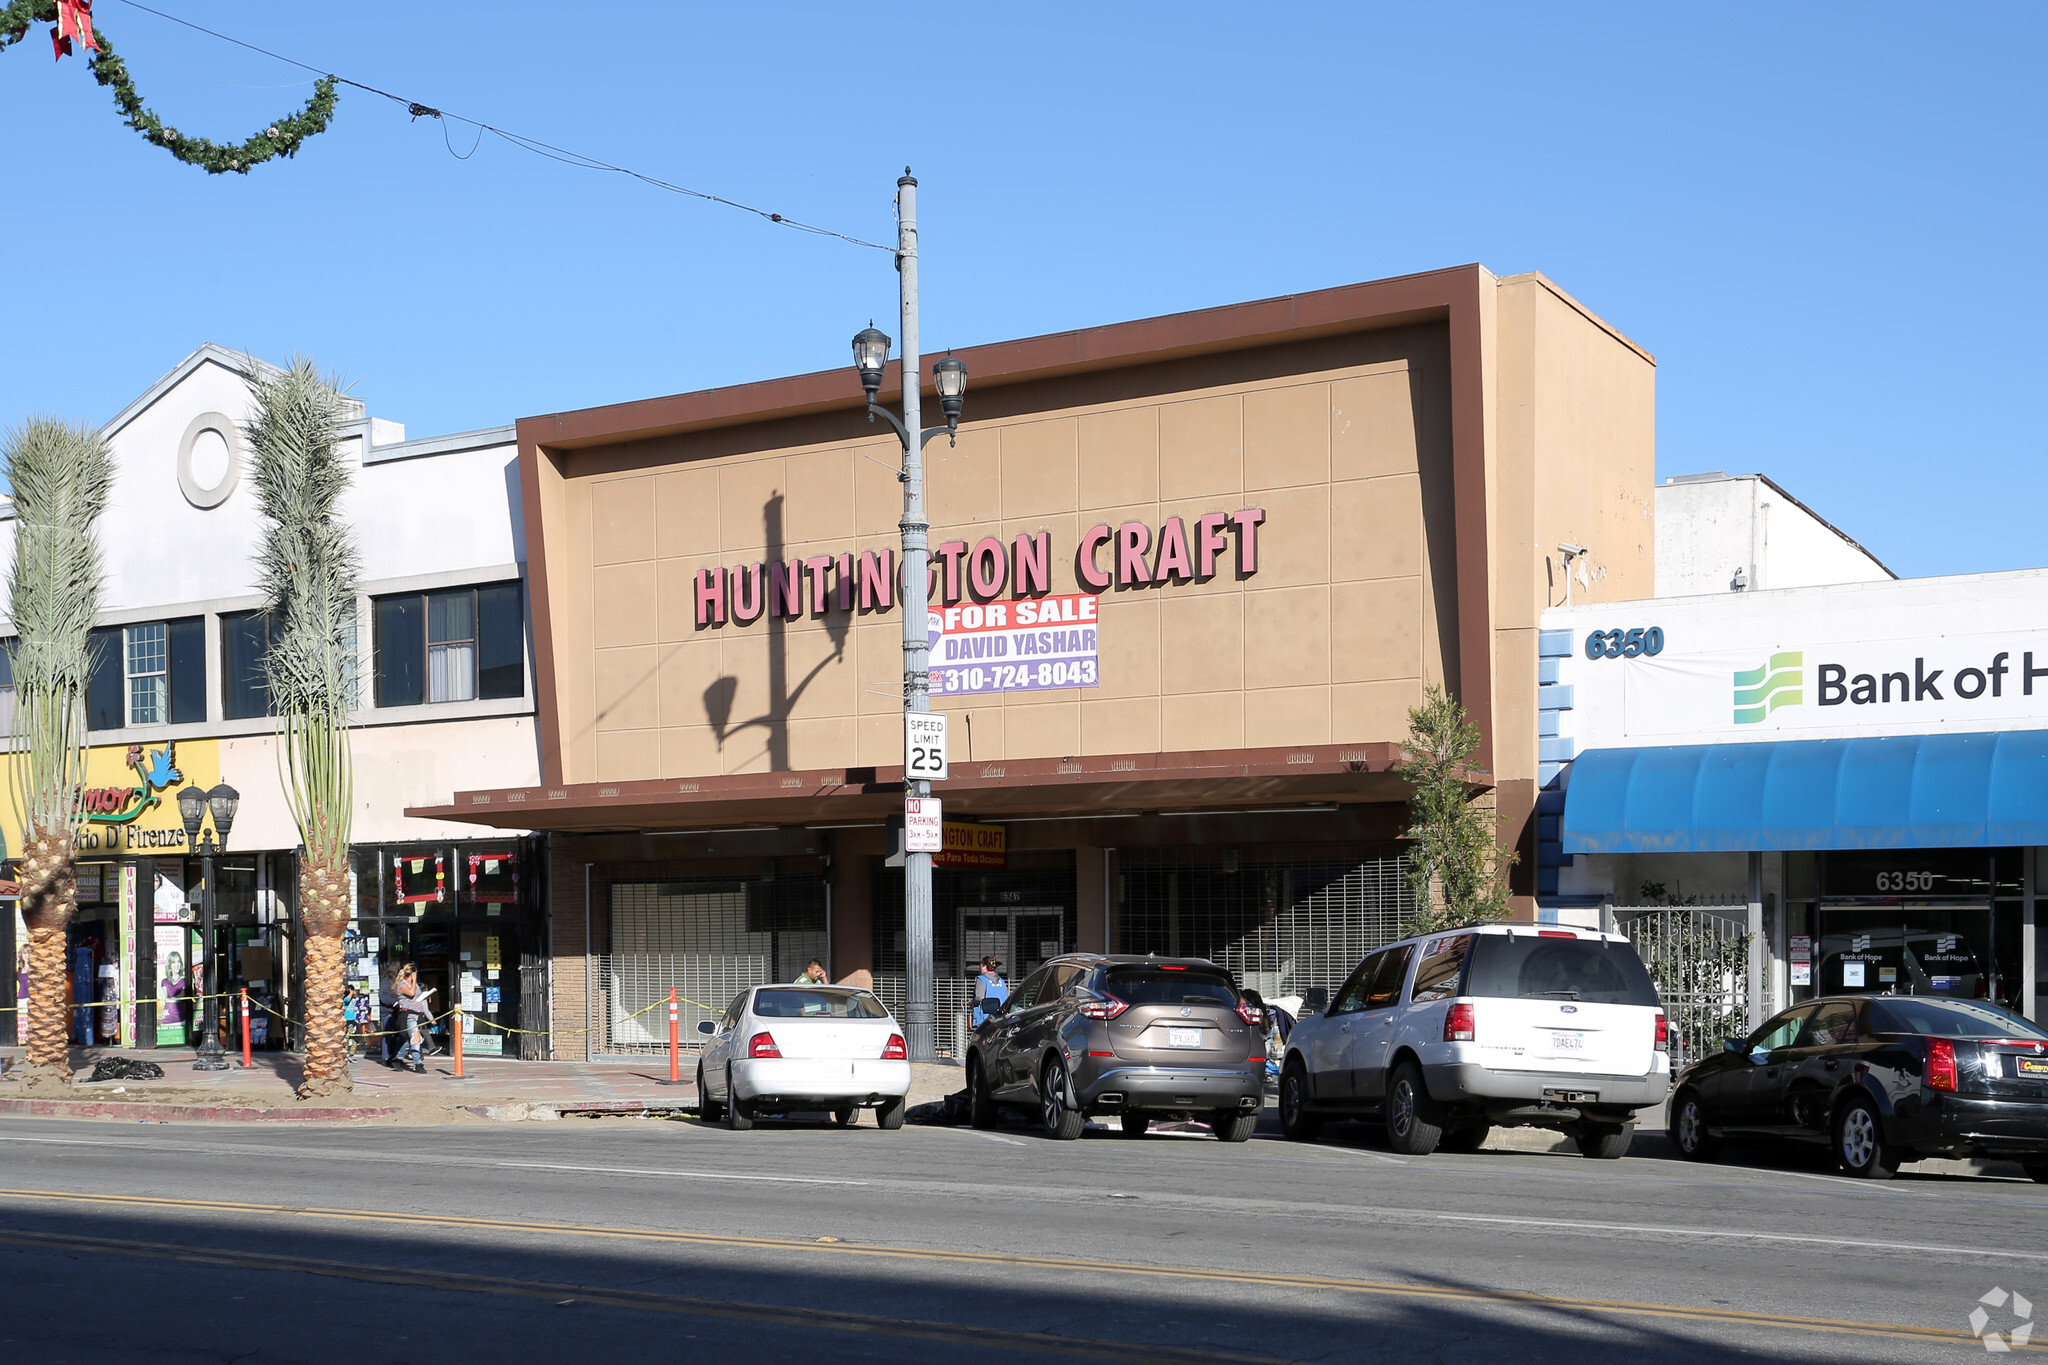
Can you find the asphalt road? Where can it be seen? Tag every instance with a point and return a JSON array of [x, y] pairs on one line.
[[659, 1239]]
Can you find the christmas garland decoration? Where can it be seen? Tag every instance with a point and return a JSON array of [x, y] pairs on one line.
[[74, 19]]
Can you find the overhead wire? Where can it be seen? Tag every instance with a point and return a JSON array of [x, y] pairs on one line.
[[529, 144]]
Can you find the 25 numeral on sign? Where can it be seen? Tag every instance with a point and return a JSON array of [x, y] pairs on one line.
[[1624, 644]]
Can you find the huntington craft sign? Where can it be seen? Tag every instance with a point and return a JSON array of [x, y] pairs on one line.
[[1128, 555]]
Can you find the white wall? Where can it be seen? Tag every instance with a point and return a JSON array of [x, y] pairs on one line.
[[1708, 526], [436, 512], [396, 766]]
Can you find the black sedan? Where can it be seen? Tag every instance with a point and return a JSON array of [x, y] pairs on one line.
[[1877, 1079]]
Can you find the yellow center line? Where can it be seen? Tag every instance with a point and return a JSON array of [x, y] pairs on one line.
[[1429, 1292]]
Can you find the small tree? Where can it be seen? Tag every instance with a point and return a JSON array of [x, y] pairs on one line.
[[1456, 867], [309, 569], [61, 476]]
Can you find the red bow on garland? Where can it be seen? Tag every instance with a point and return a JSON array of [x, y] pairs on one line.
[[74, 20]]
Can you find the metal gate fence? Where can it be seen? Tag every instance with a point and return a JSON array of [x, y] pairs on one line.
[[629, 1010], [536, 1041], [1698, 956], [1286, 919], [952, 1009]]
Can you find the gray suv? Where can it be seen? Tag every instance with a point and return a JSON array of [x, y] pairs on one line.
[[1140, 1038]]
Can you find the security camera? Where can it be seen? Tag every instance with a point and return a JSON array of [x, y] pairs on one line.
[[1569, 550]]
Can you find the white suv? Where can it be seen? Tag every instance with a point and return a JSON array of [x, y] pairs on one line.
[[1446, 1035]]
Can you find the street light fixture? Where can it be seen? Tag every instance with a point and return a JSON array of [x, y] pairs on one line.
[[193, 807], [870, 356], [949, 376]]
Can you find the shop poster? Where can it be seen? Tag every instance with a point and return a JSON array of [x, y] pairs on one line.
[[1023, 646]]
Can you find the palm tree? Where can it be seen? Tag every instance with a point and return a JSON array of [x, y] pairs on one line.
[[309, 566], [61, 476]]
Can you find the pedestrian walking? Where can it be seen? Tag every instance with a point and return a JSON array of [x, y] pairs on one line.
[[990, 990], [411, 1016]]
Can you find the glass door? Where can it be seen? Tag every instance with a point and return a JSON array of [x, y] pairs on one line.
[[1923, 948]]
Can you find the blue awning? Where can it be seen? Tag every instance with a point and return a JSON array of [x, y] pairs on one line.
[[1906, 791]]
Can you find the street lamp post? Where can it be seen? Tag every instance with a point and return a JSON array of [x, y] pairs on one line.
[[193, 807], [949, 376]]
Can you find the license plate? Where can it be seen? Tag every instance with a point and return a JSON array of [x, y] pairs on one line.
[[1183, 1037], [2032, 1066], [1568, 1042]]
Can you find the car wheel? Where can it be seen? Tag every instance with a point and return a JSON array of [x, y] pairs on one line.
[[738, 1116], [981, 1107], [1468, 1139], [889, 1113], [1688, 1128], [1604, 1141], [1860, 1144], [2037, 1170], [1295, 1120], [1134, 1125], [1413, 1124], [1231, 1126], [846, 1116], [1062, 1122], [707, 1108]]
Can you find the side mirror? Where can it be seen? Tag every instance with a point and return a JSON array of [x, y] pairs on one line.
[[1739, 1046], [1317, 1000], [706, 1026]]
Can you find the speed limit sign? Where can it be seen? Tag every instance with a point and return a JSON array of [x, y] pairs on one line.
[[924, 747]]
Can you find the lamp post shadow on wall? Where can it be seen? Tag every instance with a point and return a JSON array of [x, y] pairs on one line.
[[949, 377], [193, 807]]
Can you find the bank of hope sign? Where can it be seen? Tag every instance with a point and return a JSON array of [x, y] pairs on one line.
[[1677, 675]]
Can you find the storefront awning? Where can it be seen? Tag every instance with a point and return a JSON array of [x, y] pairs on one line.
[[1903, 791]]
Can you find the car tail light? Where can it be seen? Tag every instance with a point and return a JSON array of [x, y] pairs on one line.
[[1251, 1015], [892, 1051], [1555, 933], [763, 1045], [1169, 967], [1941, 1064], [1459, 1023], [1107, 1007], [1663, 1032]]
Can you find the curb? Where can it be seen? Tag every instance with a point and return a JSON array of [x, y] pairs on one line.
[[169, 1113]]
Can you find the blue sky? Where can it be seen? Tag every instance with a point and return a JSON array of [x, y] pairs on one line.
[[1821, 219]]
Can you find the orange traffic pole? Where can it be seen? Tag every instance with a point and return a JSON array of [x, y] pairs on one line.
[[456, 1037], [675, 1041], [247, 1062]]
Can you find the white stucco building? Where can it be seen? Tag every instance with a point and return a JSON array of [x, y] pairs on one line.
[[1742, 532], [445, 691]]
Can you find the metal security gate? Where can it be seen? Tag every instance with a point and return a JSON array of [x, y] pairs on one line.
[[1699, 958], [1286, 919], [707, 939]]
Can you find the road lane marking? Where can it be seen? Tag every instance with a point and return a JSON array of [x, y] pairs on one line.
[[1371, 1288], [991, 1137], [866, 1324], [1737, 1234], [677, 1175]]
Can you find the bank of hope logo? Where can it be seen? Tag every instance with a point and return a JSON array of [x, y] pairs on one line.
[[2000, 1342], [1760, 691]]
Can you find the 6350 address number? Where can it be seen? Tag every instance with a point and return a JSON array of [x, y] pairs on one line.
[[1624, 644]]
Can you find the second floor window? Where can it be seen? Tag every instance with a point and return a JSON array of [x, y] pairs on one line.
[[150, 673], [244, 643], [459, 645]]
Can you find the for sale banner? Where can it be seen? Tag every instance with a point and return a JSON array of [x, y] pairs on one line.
[[1014, 646]]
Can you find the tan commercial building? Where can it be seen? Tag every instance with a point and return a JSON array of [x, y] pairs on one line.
[[1189, 575]]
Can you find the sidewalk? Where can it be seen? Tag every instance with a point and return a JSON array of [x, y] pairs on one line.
[[491, 1089]]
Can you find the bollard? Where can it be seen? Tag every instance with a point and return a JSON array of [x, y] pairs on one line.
[[675, 1041], [247, 1062], [455, 1037]]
